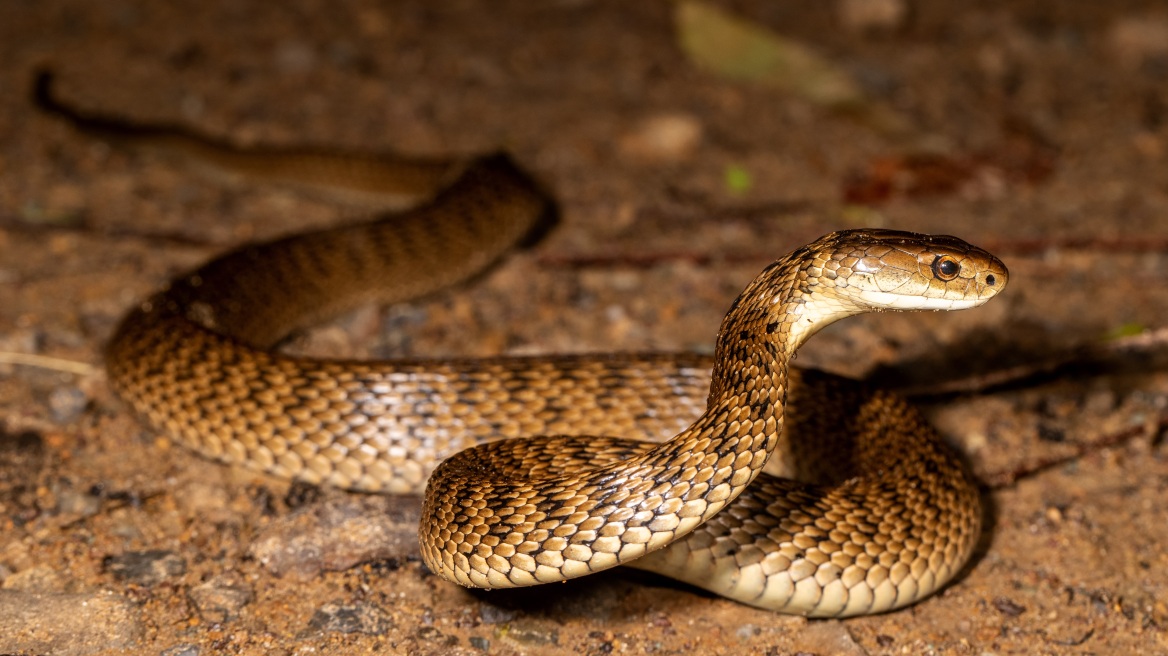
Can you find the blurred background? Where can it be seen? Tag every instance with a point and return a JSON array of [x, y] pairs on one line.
[[687, 144]]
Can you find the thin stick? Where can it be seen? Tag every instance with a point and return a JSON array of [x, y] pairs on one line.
[[1004, 479], [1149, 340], [47, 362]]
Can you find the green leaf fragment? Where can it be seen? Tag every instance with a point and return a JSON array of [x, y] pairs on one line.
[[738, 179], [1126, 330], [732, 47]]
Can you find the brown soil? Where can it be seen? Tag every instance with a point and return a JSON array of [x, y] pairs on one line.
[[1037, 129]]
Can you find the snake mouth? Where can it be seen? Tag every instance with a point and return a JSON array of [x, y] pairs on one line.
[[901, 302]]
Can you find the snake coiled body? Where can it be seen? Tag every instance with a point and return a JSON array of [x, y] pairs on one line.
[[904, 520], [650, 460]]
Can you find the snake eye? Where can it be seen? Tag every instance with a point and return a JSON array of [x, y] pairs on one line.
[[946, 268]]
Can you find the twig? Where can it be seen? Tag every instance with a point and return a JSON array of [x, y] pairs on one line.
[[1000, 480], [1148, 340], [47, 362]]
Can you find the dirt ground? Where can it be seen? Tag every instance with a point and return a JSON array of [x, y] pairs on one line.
[[1037, 129]]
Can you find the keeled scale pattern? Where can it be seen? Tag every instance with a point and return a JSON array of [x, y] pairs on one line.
[[552, 508]]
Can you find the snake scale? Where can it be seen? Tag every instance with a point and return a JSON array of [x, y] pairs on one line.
[[655, 461]]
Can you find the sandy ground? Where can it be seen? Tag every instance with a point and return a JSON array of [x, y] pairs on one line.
[[1036, 129]]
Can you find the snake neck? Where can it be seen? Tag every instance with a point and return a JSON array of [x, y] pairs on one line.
[[758, 338], [765, 326]]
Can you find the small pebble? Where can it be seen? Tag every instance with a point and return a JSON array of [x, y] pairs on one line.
[[1008, 607], [351, 618], [145, 567], [67, 403], [431, 635], [531, 634], [337, 534], [492, 614], [220, 599], [78, 503], [663, 138], [747, 631], [22, 460], [182, 650]]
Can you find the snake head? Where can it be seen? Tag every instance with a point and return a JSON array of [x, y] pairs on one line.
[[855, 271], [883, 270]]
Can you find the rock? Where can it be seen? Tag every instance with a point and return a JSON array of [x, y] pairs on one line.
[[1008, 607], [492, 614], [530, 633], [66, 624], [351, 618], [339, 533], [663, 138], [78, 503], [429, 635], [182, 650], [145, 567], [747, 631], [67, 403], [220, 599], [22, 458]]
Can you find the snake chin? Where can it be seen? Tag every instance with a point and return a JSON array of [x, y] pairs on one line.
[[900, 302]]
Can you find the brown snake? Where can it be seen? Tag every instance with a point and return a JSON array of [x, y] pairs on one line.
[[875, 513]]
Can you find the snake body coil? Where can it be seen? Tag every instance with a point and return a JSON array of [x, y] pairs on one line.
[[871, 513], [901, 523]]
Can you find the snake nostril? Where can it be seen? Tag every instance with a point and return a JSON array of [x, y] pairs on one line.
[[991, 279]]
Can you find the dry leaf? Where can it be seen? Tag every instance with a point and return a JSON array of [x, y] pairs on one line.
[[735, 48]]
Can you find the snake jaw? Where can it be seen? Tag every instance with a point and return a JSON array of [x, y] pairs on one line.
[[901, 303]]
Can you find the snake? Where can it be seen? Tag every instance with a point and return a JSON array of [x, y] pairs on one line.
[[789, 489]]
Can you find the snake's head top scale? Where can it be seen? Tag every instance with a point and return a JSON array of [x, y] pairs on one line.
[[854, 271]]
